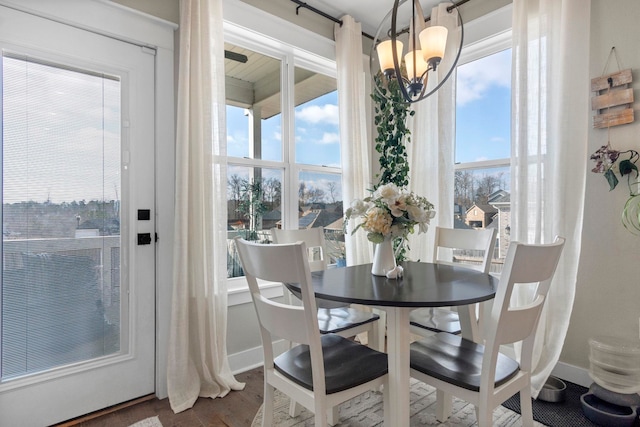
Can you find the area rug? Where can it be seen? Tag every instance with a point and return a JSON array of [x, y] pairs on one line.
[[366, 411], [148, 422]]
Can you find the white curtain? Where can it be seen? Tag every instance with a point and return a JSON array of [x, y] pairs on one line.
[[550, 108], [355, 143], [432, 142], [197, 360]]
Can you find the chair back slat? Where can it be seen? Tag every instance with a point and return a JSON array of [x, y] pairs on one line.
[[525, 265], [284, 263], [447, 239], [281, 320], [314, 239]]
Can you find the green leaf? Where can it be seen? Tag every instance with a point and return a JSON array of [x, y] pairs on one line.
[[611, 179], [626, 167]]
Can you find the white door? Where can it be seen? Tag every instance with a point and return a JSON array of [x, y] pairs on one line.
[[77, 280]]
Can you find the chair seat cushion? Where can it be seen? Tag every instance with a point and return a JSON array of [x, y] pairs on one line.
[[436, 320], [346, 364], [458, 361], [338, 319]]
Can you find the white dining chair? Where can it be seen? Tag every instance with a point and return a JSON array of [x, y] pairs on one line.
[[321, 371], [427, 320], [333, 316], [478, 373]]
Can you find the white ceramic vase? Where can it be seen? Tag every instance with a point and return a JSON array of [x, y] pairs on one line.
[[384, 259]]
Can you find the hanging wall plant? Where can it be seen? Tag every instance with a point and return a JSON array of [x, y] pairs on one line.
[[613, 163]]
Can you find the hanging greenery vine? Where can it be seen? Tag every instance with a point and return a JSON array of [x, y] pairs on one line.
[[390, 117]]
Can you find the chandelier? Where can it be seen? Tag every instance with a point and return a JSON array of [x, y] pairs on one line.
[[416, 72]]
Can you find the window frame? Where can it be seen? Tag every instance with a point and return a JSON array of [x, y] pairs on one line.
[[292, 54]]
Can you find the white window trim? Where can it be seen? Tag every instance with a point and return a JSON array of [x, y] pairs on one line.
[[295, 47]]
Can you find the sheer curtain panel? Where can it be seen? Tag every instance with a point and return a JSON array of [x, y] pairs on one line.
[[550, 108], [432, 142], [354, 141], [197, 360]]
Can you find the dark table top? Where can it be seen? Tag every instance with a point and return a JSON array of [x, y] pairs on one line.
[[423, 285]]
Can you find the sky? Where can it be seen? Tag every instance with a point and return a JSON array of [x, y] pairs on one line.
[[483, 118]]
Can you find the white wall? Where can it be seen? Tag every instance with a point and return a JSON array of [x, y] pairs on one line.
[[608, 289]]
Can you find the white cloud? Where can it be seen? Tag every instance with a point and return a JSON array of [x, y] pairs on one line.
[[477, 77], [330, 138], [327, 113], [497, 139]]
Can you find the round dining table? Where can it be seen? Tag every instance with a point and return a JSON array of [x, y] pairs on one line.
[[422, 285]]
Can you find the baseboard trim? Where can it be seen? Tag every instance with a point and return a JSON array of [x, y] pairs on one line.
[[252, 358], [571, 373]]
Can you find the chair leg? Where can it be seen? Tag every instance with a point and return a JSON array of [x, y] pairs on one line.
[[485, 416], [443, 406], [267, 407], [526, 407], [294, 408], [333, 416], [320, 415]]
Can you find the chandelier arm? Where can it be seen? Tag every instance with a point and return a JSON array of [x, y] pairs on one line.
[[394, 50]]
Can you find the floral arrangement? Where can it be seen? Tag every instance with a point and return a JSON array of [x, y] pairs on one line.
[[390, 212], [612, 163]]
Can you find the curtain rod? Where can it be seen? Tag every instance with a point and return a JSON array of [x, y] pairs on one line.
[[304, 5]]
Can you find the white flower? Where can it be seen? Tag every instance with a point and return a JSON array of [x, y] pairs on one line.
[[388, 193], [359, 207]]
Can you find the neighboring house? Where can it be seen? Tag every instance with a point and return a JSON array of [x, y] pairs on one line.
[[501, 200], [479, 216]]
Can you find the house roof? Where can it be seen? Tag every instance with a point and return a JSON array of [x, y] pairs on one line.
[[499, 197], [483, 208]]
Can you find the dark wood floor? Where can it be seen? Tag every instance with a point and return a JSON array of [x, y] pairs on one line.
[[237, 409]]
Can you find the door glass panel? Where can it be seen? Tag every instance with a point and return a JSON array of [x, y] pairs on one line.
[[61, 206]]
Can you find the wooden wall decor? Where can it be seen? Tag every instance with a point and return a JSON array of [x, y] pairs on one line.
[[613, 99]]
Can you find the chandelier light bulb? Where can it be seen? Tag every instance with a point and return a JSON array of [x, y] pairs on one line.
[[420, 65], [385, 56], [433, 41]]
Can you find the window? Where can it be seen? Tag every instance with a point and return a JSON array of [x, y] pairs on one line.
[[483, 140], [283, 147]]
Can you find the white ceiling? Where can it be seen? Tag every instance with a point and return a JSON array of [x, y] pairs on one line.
[[368, 12]]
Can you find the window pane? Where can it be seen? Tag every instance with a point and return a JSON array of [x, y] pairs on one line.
[[254, 112], [316, 120], [320, 205], [254, 207], [482, 200], [60, 288], [483, 109]]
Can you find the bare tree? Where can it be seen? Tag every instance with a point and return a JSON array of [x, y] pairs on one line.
[[235, 184], [333, 190], [486, 186]]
